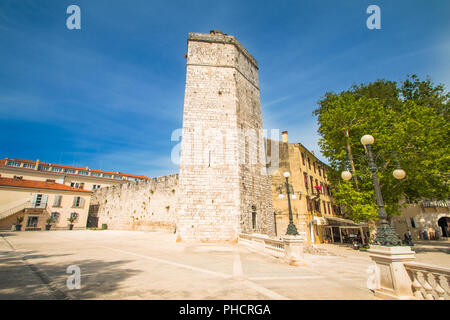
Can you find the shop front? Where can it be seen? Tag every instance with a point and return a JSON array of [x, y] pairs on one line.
[[340, 230]]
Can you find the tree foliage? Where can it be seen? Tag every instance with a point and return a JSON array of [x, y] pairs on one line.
[[409, 121]]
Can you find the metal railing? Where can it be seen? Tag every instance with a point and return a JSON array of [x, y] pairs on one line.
[[429, 282]]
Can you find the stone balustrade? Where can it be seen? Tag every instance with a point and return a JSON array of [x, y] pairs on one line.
[[399, 277], [429, 282], [290, 248], [263, 244]]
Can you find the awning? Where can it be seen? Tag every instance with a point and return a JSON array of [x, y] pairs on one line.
[[320, 221], [347, 221]]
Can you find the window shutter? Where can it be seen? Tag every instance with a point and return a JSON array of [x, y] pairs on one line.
[[57, 202], [74, 201], [44, 201], [416, 222], [34, 200], [408, 222], [81, 202]]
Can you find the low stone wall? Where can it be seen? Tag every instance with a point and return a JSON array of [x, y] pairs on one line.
[[147, 205]]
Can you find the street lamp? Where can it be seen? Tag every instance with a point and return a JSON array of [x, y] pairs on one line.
[[399, 173], [346, 175], [386, 235], [291, 230]]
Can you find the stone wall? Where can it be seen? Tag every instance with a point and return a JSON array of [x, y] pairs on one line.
[[147, 205]]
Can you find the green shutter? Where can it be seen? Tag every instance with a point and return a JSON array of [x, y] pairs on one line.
[[44, 201], [34, 200]]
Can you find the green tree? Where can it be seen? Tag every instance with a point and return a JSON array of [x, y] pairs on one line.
[[409, 123]]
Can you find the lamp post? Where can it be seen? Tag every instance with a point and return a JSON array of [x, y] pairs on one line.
[[313, 207], [386, 235], [291, 230]]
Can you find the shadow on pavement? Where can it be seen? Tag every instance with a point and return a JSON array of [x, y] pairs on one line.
[[6, 234], [25, 276], [421, 249]]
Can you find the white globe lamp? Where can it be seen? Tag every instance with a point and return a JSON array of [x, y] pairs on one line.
[[346, 175], [399, 174], [367, 139]]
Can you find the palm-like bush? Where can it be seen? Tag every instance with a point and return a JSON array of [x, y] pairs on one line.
[[71, 219]]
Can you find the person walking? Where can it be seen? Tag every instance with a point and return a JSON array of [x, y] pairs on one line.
[[410, 238], [438, 233]]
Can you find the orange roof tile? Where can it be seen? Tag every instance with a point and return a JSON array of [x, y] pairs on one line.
[[11, 182]]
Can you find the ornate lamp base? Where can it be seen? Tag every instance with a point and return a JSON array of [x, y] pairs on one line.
[[291, 230], [386, 236]]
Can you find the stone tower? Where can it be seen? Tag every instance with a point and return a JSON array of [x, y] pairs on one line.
[[223, 185]]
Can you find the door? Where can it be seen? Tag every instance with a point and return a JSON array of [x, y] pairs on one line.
[[336, 234]]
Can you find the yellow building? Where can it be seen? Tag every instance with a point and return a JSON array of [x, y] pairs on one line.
[[37, 201], [314, 211]]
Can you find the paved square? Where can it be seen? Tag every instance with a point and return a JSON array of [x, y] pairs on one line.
[[140, 265]]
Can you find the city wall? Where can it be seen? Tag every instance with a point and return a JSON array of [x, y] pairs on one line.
[[147, 205]]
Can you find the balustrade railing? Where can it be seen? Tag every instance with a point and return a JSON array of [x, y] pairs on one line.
[[267, 245], [429, 282]]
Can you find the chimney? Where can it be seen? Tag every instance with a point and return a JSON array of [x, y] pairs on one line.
[[37, 164], [284, 136], [50, 181]]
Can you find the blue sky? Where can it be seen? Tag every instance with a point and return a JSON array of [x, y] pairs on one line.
[[110, 95]]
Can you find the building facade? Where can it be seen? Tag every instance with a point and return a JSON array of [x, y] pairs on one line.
[[37, 201], [314, 212], [82, 178], [426, 220], [76, 179]]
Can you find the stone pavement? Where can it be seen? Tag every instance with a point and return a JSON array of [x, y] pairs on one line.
[[140, 265]]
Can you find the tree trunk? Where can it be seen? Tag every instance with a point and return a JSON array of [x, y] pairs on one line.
[[350, 157]]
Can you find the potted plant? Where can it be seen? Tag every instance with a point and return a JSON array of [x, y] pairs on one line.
[[48, 225], [19, 223], [71, 220]]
